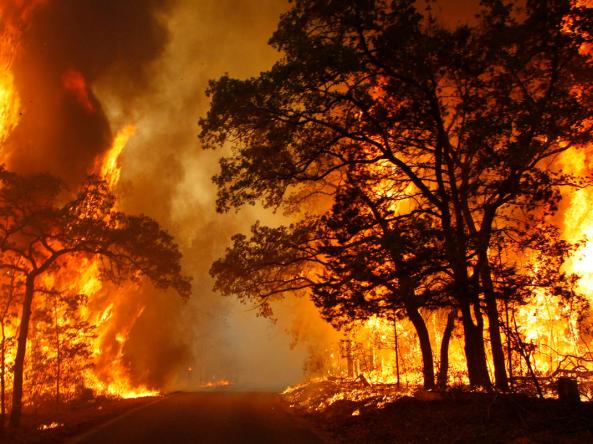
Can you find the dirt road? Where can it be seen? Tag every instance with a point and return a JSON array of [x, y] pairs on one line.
[[205, 418]]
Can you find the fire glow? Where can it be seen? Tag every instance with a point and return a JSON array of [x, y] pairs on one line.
[[103, 311], [383, 351]]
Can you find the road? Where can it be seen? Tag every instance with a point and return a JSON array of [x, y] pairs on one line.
[[206, 418]]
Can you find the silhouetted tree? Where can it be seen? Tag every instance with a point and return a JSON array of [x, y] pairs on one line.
[[42, 227], [8, 306], [358, 259], [468, 116]]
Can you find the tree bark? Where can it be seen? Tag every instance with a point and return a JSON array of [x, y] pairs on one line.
[[58, 351], [3, 378], [444, 370], [500, 374], [509, 349], [425, 347], [475, 352], [396, 345], [19, 362]]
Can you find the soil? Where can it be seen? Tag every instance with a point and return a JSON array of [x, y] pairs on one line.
[[51, 425], [461, 418]]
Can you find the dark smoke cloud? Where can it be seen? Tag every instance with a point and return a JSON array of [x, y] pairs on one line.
[[63, 129]]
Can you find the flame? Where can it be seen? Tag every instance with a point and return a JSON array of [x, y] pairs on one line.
[[74, 83], [108, 311], [9, 105], [215, 384], [9, 98], [113, 316], [110, 168], [50, 426], [112, 311]]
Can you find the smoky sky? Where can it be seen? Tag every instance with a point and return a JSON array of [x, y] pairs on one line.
[[65, 46]]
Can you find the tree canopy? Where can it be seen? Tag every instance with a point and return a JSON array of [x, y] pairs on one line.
[[43, 227], [466, 121]]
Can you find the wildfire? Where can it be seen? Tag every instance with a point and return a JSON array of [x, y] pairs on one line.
[[9, 99], [551, 326], [9, 104], [81, 325], [218, 383], [109, 165], [110, 375]]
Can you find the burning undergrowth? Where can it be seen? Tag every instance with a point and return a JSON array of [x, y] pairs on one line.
[[354, 411], [340, 396], [477, 418]]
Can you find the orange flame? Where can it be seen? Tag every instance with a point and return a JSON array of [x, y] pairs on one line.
[[9, 99], [74, 82], [109, 168]]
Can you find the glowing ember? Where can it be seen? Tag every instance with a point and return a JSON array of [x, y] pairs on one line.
[[50, 426], [219, 383]]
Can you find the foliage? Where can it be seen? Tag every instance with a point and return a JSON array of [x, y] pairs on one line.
[[43, 228], [463, 124]]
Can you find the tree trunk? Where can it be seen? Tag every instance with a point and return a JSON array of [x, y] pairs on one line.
[[509, 348], [19, 362], [58, 354], [349, 359], [3, 379], [500, 374], [469, 301], [475, 352], [444, 370], [396, 345], [425, 347], [3, 354]]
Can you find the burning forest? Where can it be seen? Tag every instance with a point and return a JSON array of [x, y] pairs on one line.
[[400, 212]]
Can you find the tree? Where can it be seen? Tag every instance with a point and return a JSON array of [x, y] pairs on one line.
[[62, 344], [7, 317], [380, 262], [42, 227], [468, 117], [357, 260]]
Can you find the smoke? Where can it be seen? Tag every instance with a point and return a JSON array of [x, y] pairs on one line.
[[167, 175], [85, 69], [66, 46]]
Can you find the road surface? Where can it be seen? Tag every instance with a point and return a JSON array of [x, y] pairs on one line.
[[206, 418]]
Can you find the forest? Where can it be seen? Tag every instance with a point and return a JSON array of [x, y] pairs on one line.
[[430, 174], [412, 176]]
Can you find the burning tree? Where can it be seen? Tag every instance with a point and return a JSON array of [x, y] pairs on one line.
[[42, 229], [359, 260], [470, 119]]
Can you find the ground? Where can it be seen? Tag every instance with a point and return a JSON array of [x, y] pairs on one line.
[[341, 413], [330, 412], [207, 417], [55, 425]]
